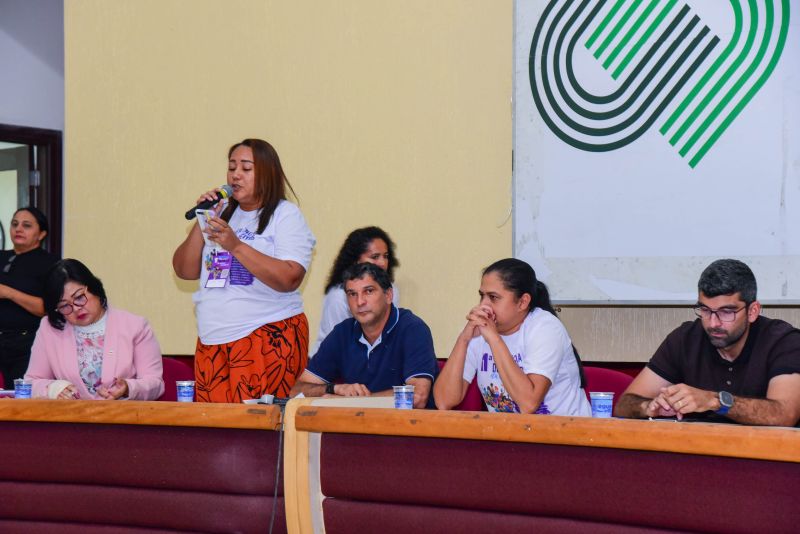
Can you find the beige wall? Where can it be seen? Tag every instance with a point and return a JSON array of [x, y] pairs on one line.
[[384, 112]]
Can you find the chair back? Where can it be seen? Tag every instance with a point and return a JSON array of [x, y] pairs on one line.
[[2, 386], [473, 401], [602, 379], [174, 370]]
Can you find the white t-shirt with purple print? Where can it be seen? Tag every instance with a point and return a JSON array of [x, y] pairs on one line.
[[226, 314], [540, 346]]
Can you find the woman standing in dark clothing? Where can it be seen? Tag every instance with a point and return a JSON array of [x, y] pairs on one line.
[[22, 273]]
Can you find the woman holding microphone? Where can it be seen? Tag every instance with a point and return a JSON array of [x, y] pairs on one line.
[[253, 334]]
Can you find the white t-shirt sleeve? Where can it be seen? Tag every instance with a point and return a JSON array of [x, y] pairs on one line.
[[544, 338], [334, 311], [293, 239], [472, 360]]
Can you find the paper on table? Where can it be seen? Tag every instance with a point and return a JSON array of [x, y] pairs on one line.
[[203, 217]]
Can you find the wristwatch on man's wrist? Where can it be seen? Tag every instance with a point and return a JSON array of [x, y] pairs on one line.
[[725, 402], [329, 388]]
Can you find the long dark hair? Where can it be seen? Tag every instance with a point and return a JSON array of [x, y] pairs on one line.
[[41, 220], [68, 270], [353, 247], [520, 278], [270, 181]]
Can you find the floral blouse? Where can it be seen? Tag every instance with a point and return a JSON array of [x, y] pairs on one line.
[[90, 340]]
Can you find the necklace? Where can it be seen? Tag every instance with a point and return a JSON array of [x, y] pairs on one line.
[[11, 259]]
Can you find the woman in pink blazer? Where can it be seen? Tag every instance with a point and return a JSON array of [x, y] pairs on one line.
[[86, 350]]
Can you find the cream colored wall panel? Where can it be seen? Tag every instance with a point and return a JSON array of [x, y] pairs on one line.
[[396, 114], [389, 113], [621, 333], [632, 334]]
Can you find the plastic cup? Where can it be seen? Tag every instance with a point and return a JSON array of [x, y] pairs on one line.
[[602, 403], [404, 397], [185, 389], [22, 388]]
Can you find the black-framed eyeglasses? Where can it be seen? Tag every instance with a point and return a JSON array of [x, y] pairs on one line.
[[77, 302], [725, 315]]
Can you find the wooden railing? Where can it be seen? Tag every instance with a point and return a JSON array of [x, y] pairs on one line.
[[736, 441], [305, 420], [255, 417]]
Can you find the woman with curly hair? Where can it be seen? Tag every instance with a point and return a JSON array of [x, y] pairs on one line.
[[363, 245]]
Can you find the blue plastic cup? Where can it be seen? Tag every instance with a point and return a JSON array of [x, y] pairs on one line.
[[602, 403], [404, 397], [185, 389], [22, 388]]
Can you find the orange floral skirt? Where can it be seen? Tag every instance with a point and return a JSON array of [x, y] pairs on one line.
[[268, 361]]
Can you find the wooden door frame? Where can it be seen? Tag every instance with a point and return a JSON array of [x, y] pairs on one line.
[[49, 147]]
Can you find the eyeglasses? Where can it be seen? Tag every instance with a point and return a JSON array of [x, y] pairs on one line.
[[724, 315], [79, 302]]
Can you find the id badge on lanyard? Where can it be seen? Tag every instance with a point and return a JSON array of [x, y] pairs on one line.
[[218, 264], [218, 261]]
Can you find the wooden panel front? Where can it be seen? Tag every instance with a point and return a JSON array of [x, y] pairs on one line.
[[763, 443]]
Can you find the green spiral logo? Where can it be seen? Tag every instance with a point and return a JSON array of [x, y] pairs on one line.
[[665, 67]]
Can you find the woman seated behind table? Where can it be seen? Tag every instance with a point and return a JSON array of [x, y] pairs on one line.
[[518, 347], [363, 245], [85, 349]]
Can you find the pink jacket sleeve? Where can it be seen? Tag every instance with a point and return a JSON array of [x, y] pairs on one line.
[[149, 381], [39, 369]]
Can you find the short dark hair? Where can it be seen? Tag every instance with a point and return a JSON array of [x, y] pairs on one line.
[[727, 277], [360, 270], [68, 270], [353, 247]]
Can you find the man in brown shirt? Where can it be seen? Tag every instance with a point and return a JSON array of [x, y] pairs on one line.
[[729, 363]]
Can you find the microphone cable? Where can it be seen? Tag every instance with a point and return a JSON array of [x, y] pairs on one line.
[[282, 404]]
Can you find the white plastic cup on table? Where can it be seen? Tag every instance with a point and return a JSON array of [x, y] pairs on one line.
[[22, 388], [185, 390], [602, 403], [404, 397]]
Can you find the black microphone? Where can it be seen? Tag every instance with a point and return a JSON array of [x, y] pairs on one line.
[[225, 192]]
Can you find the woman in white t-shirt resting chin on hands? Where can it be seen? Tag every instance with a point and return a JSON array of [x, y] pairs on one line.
[[517, 346]]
